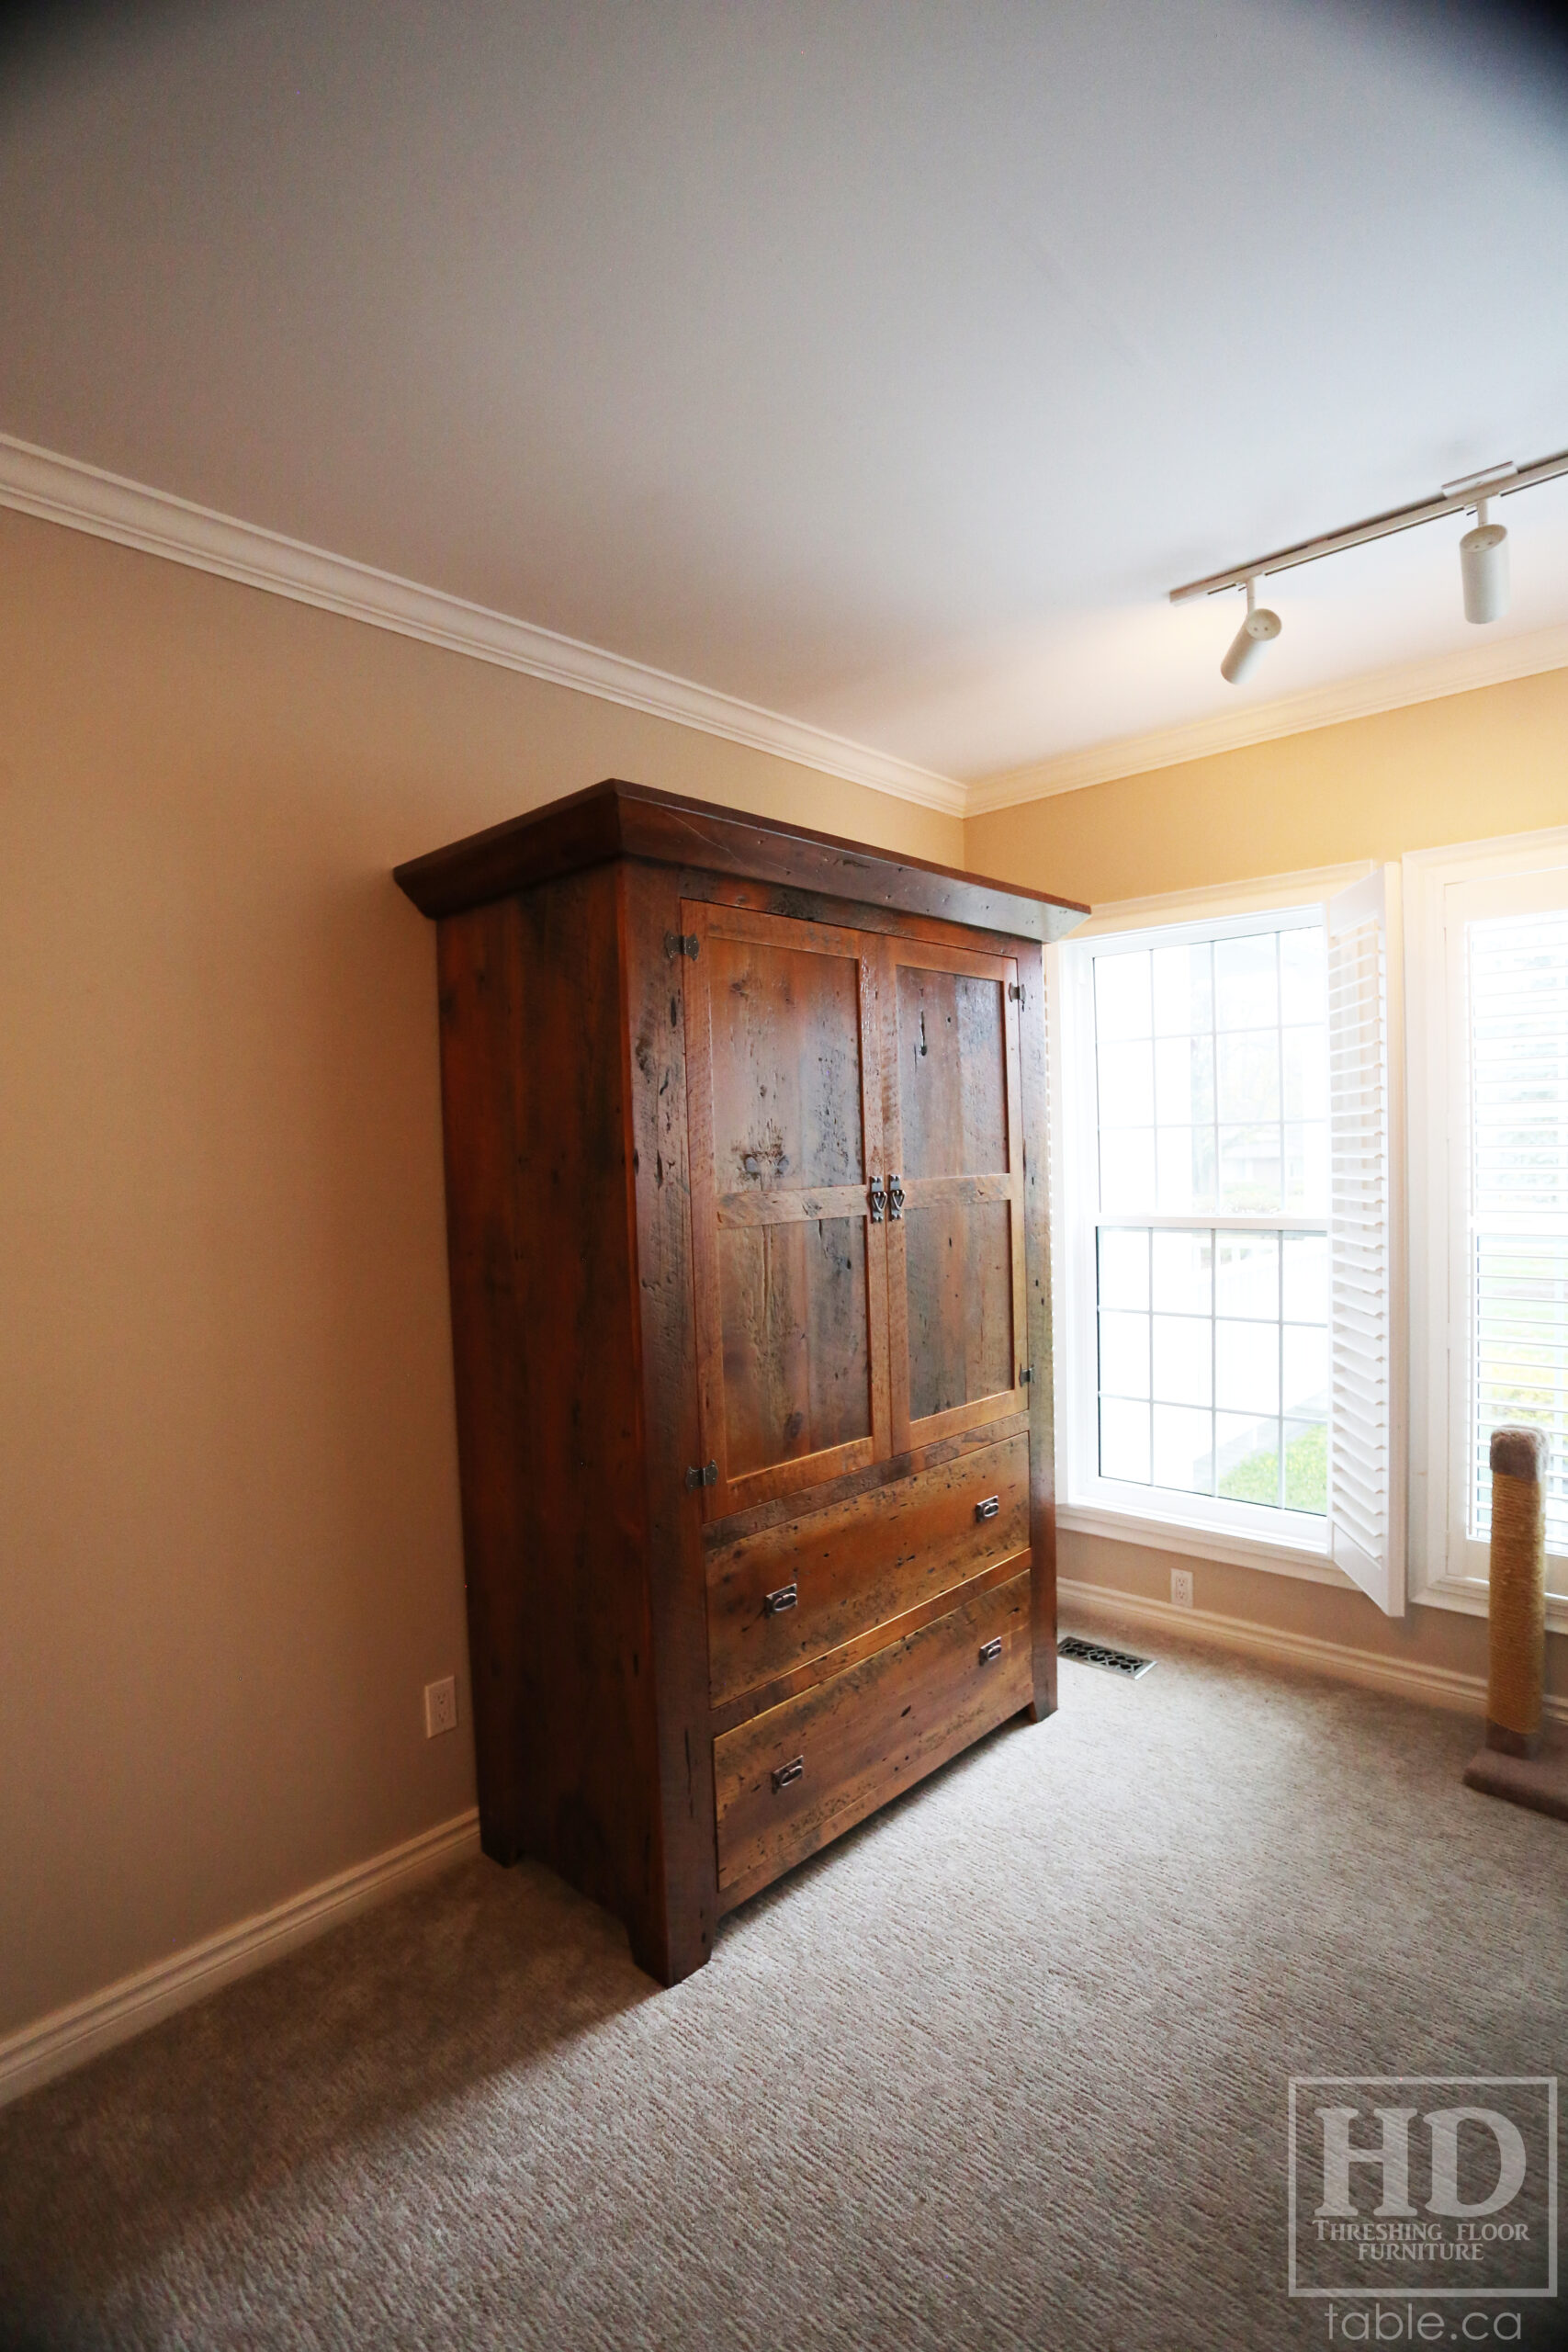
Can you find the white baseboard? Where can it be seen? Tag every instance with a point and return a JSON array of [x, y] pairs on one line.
[[1439, 1686], [69, 2037]]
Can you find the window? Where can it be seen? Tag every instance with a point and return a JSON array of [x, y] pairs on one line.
[[1224, 1242], [1212, 1111], [1489, 954]]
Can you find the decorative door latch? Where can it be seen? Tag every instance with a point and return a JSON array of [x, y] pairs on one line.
[[895, 1197], [878, 1199], [784, 1773]]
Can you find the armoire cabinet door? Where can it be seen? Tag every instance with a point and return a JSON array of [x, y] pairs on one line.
[[788, 1237], [954, 1136]]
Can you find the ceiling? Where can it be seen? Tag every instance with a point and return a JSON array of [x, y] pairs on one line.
[[882, 365]]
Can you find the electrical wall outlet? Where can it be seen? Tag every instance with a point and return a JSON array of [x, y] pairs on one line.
[[441, 1706], [1181, 1587]]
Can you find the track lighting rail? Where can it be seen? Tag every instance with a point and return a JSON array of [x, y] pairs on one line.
[[1500, 481]]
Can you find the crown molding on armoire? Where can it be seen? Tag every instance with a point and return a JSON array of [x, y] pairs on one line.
[[83, 498]]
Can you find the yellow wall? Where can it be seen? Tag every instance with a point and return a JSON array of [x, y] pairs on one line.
[[228, 1491], [1492, 762], [1469, 767]]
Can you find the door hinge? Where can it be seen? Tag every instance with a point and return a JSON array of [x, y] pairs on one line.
[[681, 942], [1015, 989], [705, 1474], [1025, 1374]]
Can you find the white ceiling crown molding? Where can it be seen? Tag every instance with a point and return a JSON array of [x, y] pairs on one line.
[[1232, 731], [62, 490]]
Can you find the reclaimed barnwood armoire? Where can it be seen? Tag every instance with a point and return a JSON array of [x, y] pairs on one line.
[[747, 1220]]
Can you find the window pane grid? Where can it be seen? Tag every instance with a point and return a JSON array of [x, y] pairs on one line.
[[1229, 1397], [1211, 1077], [1518, 975]]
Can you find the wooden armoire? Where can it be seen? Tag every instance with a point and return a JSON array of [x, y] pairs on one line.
[[745, 1210]]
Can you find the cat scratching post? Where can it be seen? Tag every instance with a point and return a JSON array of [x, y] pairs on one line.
[[1515, 1763]]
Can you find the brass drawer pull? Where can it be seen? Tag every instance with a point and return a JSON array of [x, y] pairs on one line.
[[989, 1653], [989, 1508], [775, 1603], [785, 1773]]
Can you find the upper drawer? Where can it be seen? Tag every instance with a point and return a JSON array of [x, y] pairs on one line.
[[859, 1563]]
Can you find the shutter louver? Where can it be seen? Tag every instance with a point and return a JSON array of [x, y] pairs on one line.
[[1366, 1502]]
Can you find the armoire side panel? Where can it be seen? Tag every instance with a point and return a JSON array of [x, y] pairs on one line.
[[545, 1347]]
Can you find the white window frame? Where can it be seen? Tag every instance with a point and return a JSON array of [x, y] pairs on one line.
[[1199, 1527], [1446, 1571]]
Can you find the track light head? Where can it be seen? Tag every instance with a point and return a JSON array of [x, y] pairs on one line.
[[1483, 568], [1259, 628]]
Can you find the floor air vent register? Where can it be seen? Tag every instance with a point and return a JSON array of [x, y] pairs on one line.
[[1124, 1662]]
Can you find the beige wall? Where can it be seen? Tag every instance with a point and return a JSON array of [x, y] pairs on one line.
[[228, 1491], [1463, 769]]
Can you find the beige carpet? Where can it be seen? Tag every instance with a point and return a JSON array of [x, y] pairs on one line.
[[1005, 2068]]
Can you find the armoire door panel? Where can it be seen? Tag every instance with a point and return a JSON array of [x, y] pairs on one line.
[[785, 1105], [952, 1123], [786, 1058], [958, 1287], [796, 1342], [951, 1072]]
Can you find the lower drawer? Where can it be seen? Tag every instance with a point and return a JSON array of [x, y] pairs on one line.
[[864, 1735]]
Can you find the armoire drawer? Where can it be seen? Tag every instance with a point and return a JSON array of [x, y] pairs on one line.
[[788, 1594], [800, 1773]]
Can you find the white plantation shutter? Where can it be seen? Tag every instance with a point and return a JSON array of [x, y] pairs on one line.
[[1517, 1244], [1366, 1440]]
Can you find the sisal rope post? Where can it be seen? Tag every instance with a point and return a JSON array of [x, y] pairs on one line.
[[1517, 1680]]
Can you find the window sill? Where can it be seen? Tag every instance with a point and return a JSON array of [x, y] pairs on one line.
[[1468, 1596], [1232, 1548]]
